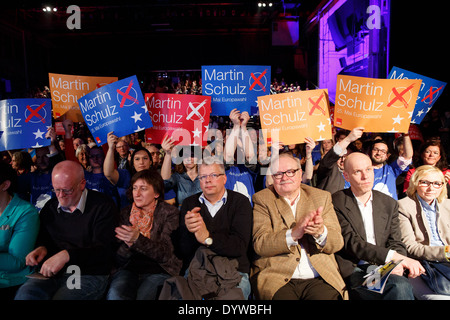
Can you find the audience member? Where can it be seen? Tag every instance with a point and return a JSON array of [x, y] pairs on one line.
[[371, 237], [76, 229], [146, 228], [329, 175], [141, 159], [239, 156], [96, 179], [430, 153], [123, 154], [424, 223], [385, 175], [295, 235], [21, 162], [184, 180], [219, 219], [82, 154], [19, 226], [36, 186]]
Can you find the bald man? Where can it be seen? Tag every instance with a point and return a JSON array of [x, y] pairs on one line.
[[74, 248], [371, 230]]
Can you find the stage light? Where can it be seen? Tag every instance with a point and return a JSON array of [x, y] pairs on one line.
[[270, 4], [54, 9], [259, 4]]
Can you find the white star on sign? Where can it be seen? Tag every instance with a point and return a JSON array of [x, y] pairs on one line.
[[397, 120], [419, 113], [196, 132], [139, 129], [137, 117], [393, 131], [410, 114], [39, 134], [321, 127], [37, 145]]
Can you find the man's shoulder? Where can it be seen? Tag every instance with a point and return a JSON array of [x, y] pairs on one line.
[[314, 191]]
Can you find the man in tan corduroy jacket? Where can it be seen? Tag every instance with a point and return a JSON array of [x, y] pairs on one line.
[[295, 235]]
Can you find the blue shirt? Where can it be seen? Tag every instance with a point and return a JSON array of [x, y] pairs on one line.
[[19, 227], [183, 185], [429, 212]]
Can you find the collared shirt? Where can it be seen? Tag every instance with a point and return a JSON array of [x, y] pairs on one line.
[[430, 212], [81, 204], [213, 208], [366, 211], [304, 269]]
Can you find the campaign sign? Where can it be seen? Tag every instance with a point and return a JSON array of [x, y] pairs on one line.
[[24, 123], [430, 91], [295, 116], [235, 87], [118, 107], [185, 117], [378, 105], [67, 89]]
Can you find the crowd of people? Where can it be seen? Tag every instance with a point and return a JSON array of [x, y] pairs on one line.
[[236, 219]]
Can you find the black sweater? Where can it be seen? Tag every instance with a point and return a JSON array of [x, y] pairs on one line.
[[230, 229], [88, 236]]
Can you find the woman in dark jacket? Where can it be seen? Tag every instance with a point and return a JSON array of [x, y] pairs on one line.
[[146, 255]]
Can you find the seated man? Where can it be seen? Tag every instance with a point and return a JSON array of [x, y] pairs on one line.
[[76, 233], [372, 237], [295, 233], [218, 218]]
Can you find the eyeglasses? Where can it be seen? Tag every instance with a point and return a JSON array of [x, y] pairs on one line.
[[66, 192], [381, 151], [436, 184], [289, 173], [212, 176]]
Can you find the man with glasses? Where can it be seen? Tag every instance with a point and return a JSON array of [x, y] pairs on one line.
[[386, 174], [76, 229], [217, 218], [295, 235]]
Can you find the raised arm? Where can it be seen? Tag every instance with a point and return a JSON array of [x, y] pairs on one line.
[[109, 168]]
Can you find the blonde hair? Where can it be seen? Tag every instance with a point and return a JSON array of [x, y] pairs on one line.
[[419, 174]]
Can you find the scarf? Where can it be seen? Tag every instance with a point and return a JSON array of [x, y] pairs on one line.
[[142, 219]]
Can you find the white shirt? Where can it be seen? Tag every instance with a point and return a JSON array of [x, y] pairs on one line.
[[304, 269], [214, 208], [366, 211]]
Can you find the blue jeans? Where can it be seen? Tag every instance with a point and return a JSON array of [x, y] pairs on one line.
[[396, 288], [92, 287], [128, 285]]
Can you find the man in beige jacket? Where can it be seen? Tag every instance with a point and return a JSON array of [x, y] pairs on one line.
[[295, 235]]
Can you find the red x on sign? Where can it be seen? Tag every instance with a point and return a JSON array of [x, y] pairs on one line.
[[126, 95], [35, 113], [258, 80], [399, 96], [430, 95], [316, 105]]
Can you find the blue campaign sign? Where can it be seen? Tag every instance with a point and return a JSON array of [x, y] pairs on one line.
[[24, 123], [430, 91], [235, 87], [118, 107]]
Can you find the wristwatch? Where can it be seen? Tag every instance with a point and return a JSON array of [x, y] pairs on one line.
[[208, 241]]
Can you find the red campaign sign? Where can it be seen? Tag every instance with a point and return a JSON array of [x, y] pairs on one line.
[[185, 117]]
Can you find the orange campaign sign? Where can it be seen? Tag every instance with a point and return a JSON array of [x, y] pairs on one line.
[[67, 89], [291, 117], [378, 105]]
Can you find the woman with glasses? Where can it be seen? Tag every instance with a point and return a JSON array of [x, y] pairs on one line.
[[146, 254], [430, 153], [425, 222]]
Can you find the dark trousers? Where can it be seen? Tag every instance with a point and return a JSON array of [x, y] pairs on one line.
[[309, 289]]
